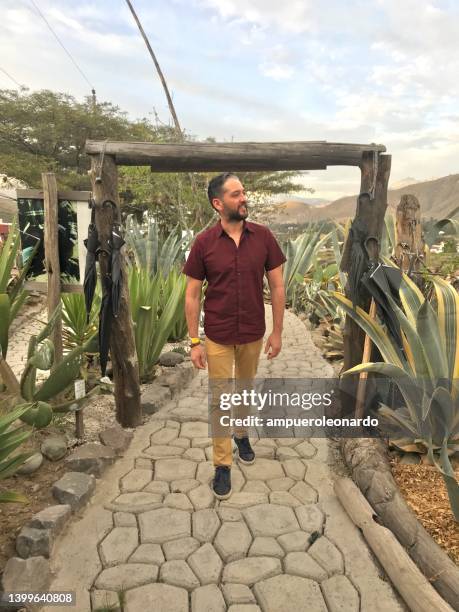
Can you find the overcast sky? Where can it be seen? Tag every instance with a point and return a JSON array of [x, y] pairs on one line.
[[382, 71]]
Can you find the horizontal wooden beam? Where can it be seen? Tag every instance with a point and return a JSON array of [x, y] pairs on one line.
[[233, 156], [37, 194]]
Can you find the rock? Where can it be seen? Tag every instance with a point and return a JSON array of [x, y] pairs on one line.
[[135, 480], [264, 546], [74, 488], [340, 595], [116, 438], [52, 518], [237, 594], [306, 449], [34, 543], [28, 575], [205, 524], [304, 493], [124, 519], [147, 553], [229, 514], [270, 520], [233, 541], [54, 447], [163, 524], [201, 497], [180, 549], [91, 458], [118, 546], [163, 436], [310, 518], [178, 500], [295, 541], [175, 379], [170, 359], [206, 564], [327, 555], [294, 468], [154, 397], [126, 576], [174, 469], [410, 459], [207, 598], [165, 596], [251, 570], [162, 451], [302, 564], [136, 502], [31, 464], [178, 573], [289, 593]]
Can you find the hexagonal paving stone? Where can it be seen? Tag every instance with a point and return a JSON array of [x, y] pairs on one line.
[[233, 541], [164, 524], [286, 452], [178, 500], [163, 436], [263, 469], [289, 593], [244, 608], [294, 468], [310, 517], [294, 541], [284, 498], [194, 429], [207, 598], [302, 564], [184, 485], [124, 519], [147, 553], [306, 449], [340, 594], [237, 594], [178, 573], [158, 486], [206, 564], [118, 545], [327, 555], [244, 500], [174, 469], [160, 451], [270, 520], [281, 484], [264, 546], [201, 497], [180, 549], [138, 501], [165, 596], [135, 480], [256, 486], [304, 493], [195, 454], [229, 514], [182, 442], [251, 570], [126, 576], [205, 524]]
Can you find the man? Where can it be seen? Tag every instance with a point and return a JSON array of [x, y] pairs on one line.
[[233, 256]]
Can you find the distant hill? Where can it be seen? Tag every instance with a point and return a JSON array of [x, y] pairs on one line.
[[437, 197]]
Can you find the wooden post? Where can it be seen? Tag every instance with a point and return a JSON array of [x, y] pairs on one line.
[[409, 249], [370, 213], [122, 344], [52, 265]]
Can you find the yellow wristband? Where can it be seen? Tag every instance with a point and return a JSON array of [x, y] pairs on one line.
[[195, 340]]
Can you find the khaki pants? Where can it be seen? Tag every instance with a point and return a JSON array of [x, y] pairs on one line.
[[220, 361]]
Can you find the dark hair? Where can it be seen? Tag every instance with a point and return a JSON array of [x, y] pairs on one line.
[[215, 188]]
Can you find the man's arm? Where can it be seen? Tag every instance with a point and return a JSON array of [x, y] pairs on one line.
[[192, 309], [276, 286]]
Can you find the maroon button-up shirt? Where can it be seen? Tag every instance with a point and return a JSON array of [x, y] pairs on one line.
[[234, 311]]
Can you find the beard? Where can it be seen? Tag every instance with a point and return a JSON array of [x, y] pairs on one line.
[[237, 215]]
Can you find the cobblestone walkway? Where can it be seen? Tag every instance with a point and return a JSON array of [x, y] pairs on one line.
[[154, 530]]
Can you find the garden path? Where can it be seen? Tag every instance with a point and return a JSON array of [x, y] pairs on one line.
[[154, 530]]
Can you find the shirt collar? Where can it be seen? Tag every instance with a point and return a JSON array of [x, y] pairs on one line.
[[221, 231]]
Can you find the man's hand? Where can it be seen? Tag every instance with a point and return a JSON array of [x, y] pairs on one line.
[[273, 345], [198, 357]]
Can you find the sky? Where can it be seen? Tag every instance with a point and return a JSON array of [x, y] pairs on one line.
[[381, 71]]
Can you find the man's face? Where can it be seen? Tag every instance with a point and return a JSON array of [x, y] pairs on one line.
[[233, 203]]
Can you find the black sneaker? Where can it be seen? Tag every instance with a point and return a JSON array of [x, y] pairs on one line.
[[221, 484], [246, 454]]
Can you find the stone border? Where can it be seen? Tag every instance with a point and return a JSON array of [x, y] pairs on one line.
[[367, 459], [30, 571]]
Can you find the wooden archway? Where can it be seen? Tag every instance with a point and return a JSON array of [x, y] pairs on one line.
[[374, 165]]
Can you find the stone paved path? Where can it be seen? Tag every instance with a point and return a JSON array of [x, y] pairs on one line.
[[154, 530]]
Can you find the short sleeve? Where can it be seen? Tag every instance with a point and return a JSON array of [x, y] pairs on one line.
[[194, 265], [275, 257]]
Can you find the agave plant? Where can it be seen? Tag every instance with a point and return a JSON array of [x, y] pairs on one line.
[[40, 356], [150, 250], [10, 440], [426, 372], [174, 278], [154, 318], [76, 329]]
